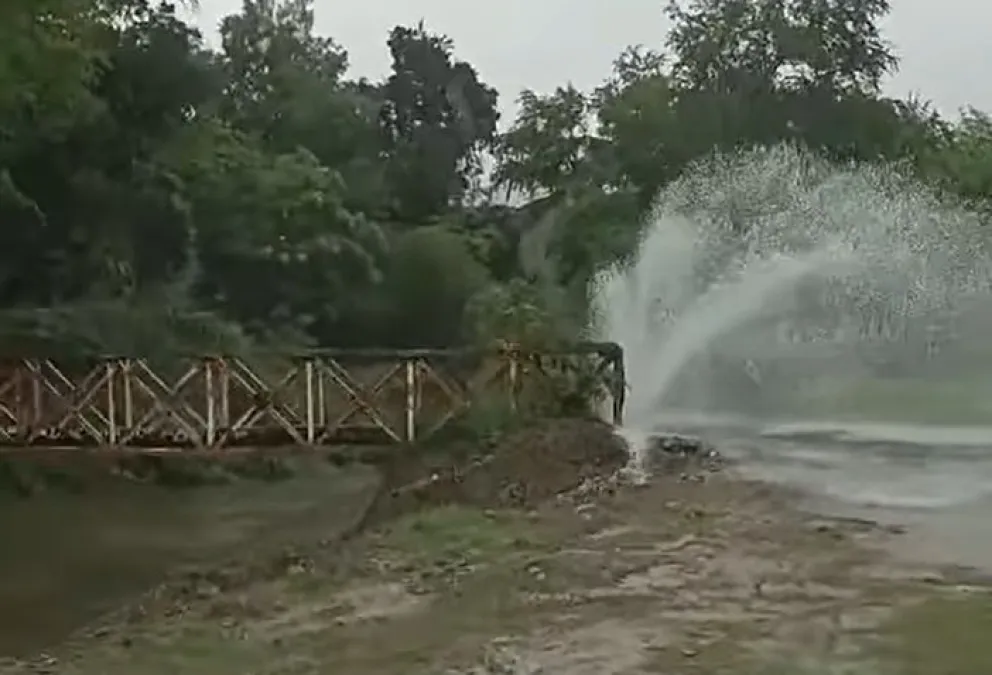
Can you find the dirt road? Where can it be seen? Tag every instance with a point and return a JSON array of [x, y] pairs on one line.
[[695, 572]]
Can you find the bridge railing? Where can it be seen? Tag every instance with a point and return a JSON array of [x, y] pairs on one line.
[[222, 403]]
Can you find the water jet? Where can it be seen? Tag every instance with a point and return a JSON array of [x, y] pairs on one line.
[[773, 286], [803, 272]]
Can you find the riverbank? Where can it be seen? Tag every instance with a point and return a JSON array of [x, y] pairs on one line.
[[696, 571]]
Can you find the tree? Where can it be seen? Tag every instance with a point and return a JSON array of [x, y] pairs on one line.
[[638, 118], [151, 183], [546, 148], [287, 84], [49, 53], [437, 117], [275, 244], [801, 70], [581, 212], [962, 163], [759, 46], [82, 190]]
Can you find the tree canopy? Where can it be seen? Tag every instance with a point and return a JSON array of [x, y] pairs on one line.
[[157, 193]]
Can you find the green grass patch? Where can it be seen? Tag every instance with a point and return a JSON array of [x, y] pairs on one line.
[[466, 533], [943, 635], [199, 649]]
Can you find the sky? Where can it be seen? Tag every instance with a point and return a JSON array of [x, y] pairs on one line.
[[541, 44]]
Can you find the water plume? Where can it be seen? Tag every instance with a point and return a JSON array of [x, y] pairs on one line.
[[773, 283]]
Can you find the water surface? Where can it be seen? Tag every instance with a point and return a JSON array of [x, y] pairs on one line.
[[936, 481]]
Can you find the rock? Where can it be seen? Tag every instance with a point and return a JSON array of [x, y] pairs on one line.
[[679, 445], [685, 455]]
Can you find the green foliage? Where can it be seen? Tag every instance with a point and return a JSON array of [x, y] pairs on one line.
[[963, 161], [146, 327], [431, 277], [733, 45], [276, 217], [546, 148], [478, 430], [436, 118], [50, 51], [162, 196], [513, 313]]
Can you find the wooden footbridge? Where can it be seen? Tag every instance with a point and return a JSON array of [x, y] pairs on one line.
[[224, 404]]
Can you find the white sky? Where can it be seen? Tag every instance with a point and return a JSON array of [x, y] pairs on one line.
[[540, 44]]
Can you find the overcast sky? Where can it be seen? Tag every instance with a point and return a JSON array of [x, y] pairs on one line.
[[540, 44]]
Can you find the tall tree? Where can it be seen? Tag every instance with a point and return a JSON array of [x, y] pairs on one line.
[[545, 149], [762, 45], [437, 118], [274, 62], [287, 84], [637, 113], [277, 247], [96, 210], [804, 70]]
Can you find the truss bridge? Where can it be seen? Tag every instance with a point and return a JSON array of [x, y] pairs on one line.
[[222, 404]]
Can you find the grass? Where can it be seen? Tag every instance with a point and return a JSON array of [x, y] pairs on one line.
[[942, 635], [191, 650], [469, 534], [298, 624]]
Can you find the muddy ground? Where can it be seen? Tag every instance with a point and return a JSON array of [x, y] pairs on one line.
[[544, 559]]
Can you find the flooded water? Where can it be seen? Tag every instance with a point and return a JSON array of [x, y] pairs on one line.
[[66, 559], [935, 481]]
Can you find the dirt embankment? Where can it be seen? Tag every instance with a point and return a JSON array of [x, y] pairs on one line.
[[523, 469], [540, 558]]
